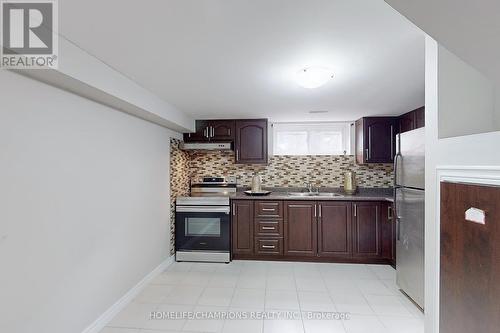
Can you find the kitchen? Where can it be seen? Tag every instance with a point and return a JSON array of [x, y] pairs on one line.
[[258, 166], [234, 202]]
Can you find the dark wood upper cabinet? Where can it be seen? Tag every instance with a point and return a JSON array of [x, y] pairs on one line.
[[419, 117], [334, 229], [242, 227], [300, 228], [251, 141], [376, 139], [366, 229], [407, 122], [201, 134], [211, 130], [222, 130], [412, 120]]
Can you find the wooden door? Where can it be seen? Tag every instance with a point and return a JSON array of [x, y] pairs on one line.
[[300, 228], [251, 141], [242, 227], [201, 134], [380, 139], [334, 229], [366, 229], [470, 260], [222, 130]]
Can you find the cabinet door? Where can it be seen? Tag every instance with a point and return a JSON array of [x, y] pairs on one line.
[[334, 229], [251, 141], [420, 117], [300, 228], [407, 122], [380, 139], [201, 134], [222, 130], [242, 226], [366, 229], [360, 142], [388, 232]]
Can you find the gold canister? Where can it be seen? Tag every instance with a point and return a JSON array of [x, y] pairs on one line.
[[350, 186]]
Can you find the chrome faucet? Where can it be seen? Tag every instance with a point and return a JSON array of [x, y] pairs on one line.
[[310, 187]]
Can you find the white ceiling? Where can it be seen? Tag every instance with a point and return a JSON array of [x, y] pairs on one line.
[[238, 58], [470, 29]]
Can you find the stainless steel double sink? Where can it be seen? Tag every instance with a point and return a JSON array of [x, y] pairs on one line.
[[314, 194]]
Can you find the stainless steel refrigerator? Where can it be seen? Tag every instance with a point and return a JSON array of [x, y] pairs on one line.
[[409, 193]]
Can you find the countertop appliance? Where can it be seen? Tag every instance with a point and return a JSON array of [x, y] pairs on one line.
[[409, 193], [202, 221]]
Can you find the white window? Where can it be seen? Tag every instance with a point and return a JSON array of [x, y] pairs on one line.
[[311, 138]]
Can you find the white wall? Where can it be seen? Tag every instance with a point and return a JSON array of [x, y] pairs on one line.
[[479, 150], [466, 99], [84, 206], [85, 75]]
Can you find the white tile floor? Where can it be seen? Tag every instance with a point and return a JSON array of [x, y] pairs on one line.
[[367, 292]]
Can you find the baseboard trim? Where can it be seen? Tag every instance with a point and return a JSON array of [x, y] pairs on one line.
[[108, 315]]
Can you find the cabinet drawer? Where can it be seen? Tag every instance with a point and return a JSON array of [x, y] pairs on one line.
[[269, 246], [269, 227], [268, 209]]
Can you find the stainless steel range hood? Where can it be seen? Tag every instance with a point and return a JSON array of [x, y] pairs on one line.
[[206, 146]]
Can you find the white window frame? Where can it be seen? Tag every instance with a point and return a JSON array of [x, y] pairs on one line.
[[346, 128]]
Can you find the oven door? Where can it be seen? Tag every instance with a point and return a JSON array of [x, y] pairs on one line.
[[202, 228]]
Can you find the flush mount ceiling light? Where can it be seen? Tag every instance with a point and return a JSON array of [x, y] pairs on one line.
[[313, 77]]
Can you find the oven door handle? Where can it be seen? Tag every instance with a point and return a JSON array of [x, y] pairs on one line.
[[202, 209]]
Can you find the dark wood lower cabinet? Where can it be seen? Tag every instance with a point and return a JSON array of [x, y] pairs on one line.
[[330, 231], [388, 230], [300, 228], [242, 227], [366, 229], [334, 229]]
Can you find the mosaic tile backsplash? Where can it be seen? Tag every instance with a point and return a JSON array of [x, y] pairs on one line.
[[291, 171], [179, 182], [282, 171]]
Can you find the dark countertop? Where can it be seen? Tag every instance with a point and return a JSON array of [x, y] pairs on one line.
[[363, 194]]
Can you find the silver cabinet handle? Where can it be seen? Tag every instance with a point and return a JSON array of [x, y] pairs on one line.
[[319, 211], [268, 209], [389, 213], [268, 228], [234, 209], [229, 131], [366, 155], [369, 142], [315, 210], [237, 154], [205, 132], [212, 132], [355, 210], [268, 246]]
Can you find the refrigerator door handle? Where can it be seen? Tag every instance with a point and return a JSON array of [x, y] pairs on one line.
[[398, 229], [398, 154]]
